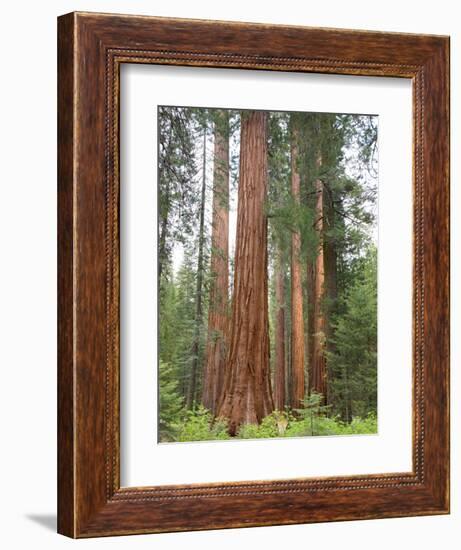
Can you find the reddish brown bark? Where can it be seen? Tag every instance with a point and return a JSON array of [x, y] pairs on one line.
[[247, 396], [218, 319], [279, 377], [310, 283], [318, 373], [297, 320]]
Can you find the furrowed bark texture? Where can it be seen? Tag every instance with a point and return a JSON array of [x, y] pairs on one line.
[[92, 501], [318, 379], [247, 396], [218, 319], [280, 370], [297, 320]]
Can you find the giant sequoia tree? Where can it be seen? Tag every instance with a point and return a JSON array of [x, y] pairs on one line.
[[318, 381], [247, 395], [267, 268], [218, 318], [280, 361], [297, 318]]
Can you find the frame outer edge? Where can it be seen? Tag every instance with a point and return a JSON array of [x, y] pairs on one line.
[[437, 264], [85, 507], [66, 524]]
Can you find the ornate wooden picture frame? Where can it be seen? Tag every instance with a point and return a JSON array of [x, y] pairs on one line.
[[92, 48]]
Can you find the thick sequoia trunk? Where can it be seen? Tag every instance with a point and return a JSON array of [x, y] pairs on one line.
[[280, 370], [297, 319], [219, 266], [247, 396], [318, 375], [198, 316]]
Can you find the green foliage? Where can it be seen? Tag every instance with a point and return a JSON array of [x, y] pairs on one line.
[[311, 413], [170, 403], [199, 426], [176, 329], [273, 425], [352, 361], [311, 422], [347, 145], [367, 425], [177, 182]]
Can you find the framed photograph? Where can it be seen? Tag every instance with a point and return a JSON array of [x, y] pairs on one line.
[[253, 259]]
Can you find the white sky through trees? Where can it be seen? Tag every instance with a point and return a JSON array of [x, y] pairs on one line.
[[353, 166]]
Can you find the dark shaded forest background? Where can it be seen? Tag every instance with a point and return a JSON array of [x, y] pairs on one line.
[[267, 274]]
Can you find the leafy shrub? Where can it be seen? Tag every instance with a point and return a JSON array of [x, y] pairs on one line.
[[367, 425], [199, 426], [324, 425], [273, 425]]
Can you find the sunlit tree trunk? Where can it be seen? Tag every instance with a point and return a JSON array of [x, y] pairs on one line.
[[280, 370], [218, 319], [310, 283], [297, 320], [318, 374], [247, 396]]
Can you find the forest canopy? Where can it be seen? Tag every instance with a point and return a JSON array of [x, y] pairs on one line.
[[267, 274]]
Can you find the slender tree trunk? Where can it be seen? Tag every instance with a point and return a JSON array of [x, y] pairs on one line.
[[162, 246], [347, 416], [247, 396], [330, 254], [280, 370], [318, 379], [198, 317], [310, 283], [219, 265], [331, 274], [297, 319]]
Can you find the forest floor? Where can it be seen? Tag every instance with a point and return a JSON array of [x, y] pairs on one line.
[[198, 425]]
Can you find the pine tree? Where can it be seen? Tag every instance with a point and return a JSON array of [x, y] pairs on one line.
[[355, 344], [170, 403], [302, 280], [198, 318], [176, 185]]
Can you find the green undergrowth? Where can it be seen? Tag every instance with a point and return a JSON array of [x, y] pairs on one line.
[[199, 425]]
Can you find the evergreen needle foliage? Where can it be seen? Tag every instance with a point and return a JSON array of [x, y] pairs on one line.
[[320, 208]]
